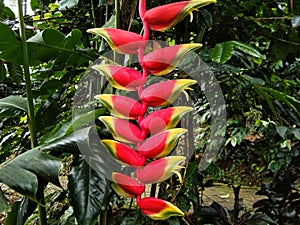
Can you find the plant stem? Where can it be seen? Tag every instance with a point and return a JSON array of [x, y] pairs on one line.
[[42, 211], [117, 13], [32, 121]]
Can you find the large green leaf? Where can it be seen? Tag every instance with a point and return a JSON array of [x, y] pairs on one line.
[[131, 217], [13, 106], [247, 49], [80, 119], [20, 211], [222, 52], [71, 41], [43, 46], [3, 202], [9, 43], [67, 143], [292, 102], [39, 45], [88, 192], [23, 172]]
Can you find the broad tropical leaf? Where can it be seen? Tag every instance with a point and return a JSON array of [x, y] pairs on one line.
[[23, 172], [42, 47], [3, 202], [13, 106], [9, 43], [89, 192], [222, 52], [74, 123], [20, 211]]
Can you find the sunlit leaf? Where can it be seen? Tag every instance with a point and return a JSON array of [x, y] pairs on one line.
[[222, 52]]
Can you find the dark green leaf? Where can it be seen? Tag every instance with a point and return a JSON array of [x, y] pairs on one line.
[[3, 202], [70, 42], [44, 45], [282, 131], [80, 119], [9, 43], [5, 12], [130, 217], [260, 217], [22, 173], [35, 4], [254, 80], [88, 192], [287, 99], [67, 143], [247, 49], [15, 72], [222, 52], [20, 211], [13, 106], [2, 71]]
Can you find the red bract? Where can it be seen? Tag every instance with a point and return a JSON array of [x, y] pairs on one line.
[[161, 144], [124, 153], [123, 130], [164, 93], [157, 18], [126, 186], [164, 60], [163, 119], [160, 170], [158, 209], [121, 41], [121, 106], [121, 77]]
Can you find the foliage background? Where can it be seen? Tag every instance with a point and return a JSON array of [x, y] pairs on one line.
[[252, 47]]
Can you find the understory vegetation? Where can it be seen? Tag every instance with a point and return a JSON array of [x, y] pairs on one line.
[[252, 48]]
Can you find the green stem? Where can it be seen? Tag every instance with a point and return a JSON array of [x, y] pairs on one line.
[[117, 13], [94, 20], [42, 211], [32, 121]]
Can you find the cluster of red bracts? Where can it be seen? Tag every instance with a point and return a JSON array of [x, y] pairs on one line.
[[147, 142]]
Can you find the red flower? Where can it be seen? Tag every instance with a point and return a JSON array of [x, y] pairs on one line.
[[162, 61], [161, 144], [121, 77], [122, 107], [166, 16], [163, 119], [164, 93], [121, 41], [124, 153], [160, 170], [126, 186], [123, 130], [158, 209]]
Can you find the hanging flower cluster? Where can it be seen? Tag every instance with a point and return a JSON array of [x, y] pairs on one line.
[[147, 142]]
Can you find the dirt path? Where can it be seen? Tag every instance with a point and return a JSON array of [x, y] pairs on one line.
[[224, 196]]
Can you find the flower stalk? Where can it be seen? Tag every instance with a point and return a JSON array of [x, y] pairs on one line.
[[144, 139]]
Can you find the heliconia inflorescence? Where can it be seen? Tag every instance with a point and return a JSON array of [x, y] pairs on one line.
[[142, 138]]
